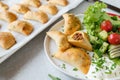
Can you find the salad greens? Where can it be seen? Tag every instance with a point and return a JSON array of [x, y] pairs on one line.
[[93, 17]]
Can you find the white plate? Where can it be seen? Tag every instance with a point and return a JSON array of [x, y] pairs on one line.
[[50, 48], [38, 27]]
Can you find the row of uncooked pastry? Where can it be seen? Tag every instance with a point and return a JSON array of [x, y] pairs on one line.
[[72, 44], [39, 15], [7, 40]]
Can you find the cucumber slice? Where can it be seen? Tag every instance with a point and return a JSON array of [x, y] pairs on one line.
[[104, 47], [103, 35]]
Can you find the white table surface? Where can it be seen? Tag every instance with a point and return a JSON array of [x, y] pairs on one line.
[[30, 62]]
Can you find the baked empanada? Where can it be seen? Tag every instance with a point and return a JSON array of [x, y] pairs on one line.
[[34, 3], [20, 8], [21, 26], [60, 39], [71, 24], [49, 8], [59, 2], [76, 57], [38, 16], [7, 40], [8, 16], [80, 39], [3, 6]]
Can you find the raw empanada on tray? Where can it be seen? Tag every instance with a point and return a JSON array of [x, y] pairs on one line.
[[34, 3], [8, 16], [80, 39], [60, 39], [71, 24], [37, 16], [3, 6], [49, 8], [23, 27], [7, 40], [76, 57], [59, 2], [20, 8]]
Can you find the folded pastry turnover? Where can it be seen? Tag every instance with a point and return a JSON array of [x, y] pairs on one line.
[[21, 26], [80, 39], [38, 16], [3, 6], [20, 8], [7, 40], [71, 24], [76, 57], [49, 8], [8, 16], [34, 3], [59, 2], [60, 39]]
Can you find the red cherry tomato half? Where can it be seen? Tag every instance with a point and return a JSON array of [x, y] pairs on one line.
[[114, 38], [106, 25]]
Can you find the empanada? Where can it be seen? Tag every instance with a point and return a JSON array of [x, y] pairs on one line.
[[3, 6], [8, 16], [49, 8], [71, 24], [34, 3], [60, 39], [21, 26], [59, 2], [38, 16], [80, 39], [20, 8], [76, 57], [7, 40]]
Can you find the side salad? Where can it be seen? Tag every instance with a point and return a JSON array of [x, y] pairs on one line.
[[104, 32]]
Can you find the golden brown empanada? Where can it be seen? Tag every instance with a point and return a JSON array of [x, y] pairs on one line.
[[80, 39], [21, 26], [3, 6], [60, 39], [59, 2], [49, 8], [20, 8], [8, 16], [76, 57], [7, 40], [38, 16], [71, 24], [34, 3]]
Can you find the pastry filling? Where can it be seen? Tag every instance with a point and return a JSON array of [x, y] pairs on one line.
[[77, 36]]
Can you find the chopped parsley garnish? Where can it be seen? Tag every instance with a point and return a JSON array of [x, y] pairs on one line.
[[99, 62], [53, 77], [113, 66], [75, 69], [94, 76], [100, 65], [93, 72], [109, 72], [63, 66]]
